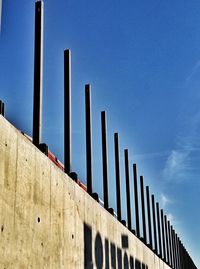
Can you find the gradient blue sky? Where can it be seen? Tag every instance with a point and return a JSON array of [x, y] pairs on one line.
[[142, 59]]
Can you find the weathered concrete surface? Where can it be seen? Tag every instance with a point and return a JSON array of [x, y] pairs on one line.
[[48, 221]]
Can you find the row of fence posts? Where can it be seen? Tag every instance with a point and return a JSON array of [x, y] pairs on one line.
[[162, 238], [156, 231]]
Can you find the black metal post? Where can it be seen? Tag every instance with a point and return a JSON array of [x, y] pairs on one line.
[[163, 235], [184, 258], [2, 112], [175, 249], [181, 253], [188, 259], [154, 224], [173, 246], [136, 201], [167, 242], [128, 200], [149, 217], [67, 111], [117, 171], [178, 251], [38, 73], [88, 112], [184, 261], [170, 244], [159, 229], [104, 158], [143, 209]]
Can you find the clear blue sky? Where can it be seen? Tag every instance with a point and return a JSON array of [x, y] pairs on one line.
[[142, 59]]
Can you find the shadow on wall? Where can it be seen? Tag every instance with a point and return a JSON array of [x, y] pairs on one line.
[[114, 255]]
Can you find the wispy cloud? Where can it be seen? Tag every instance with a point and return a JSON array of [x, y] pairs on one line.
[[170, 217], [195, 70], [179, 161], [177, 164], [165, 203], [151, 155], [164, 200], [173, 220]]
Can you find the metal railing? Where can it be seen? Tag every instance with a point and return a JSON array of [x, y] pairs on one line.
[[154, 228]]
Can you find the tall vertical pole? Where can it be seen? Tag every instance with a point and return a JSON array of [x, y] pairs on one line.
[[38, 73], [88, 116], [186, 260], [154, 224], [167, 242], [170, 244], [178, 252], [67, 111], [149, 217], [174, 247], [117, 173], [128, 199], [159, 229], [163, 235], [185, 257], [2, 108], [143, 209], [136, 201], [104, 158], [182, 255]]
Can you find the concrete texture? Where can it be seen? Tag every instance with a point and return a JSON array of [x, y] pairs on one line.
[[48, 221]]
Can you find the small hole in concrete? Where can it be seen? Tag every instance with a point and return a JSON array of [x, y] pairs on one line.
[[42, 244], [6, 144], [38, 219], [2, 228], [72, 236], [26, 160]]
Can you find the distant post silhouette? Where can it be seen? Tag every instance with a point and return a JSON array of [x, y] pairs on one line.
[[38, 73], [128, 199], [143, 209], [67, 111], [137, 220], [88, 116], [149, 217], [117, 174], [104, 158], [154, 224]]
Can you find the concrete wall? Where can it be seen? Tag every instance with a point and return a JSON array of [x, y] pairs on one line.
[[48, 221]]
